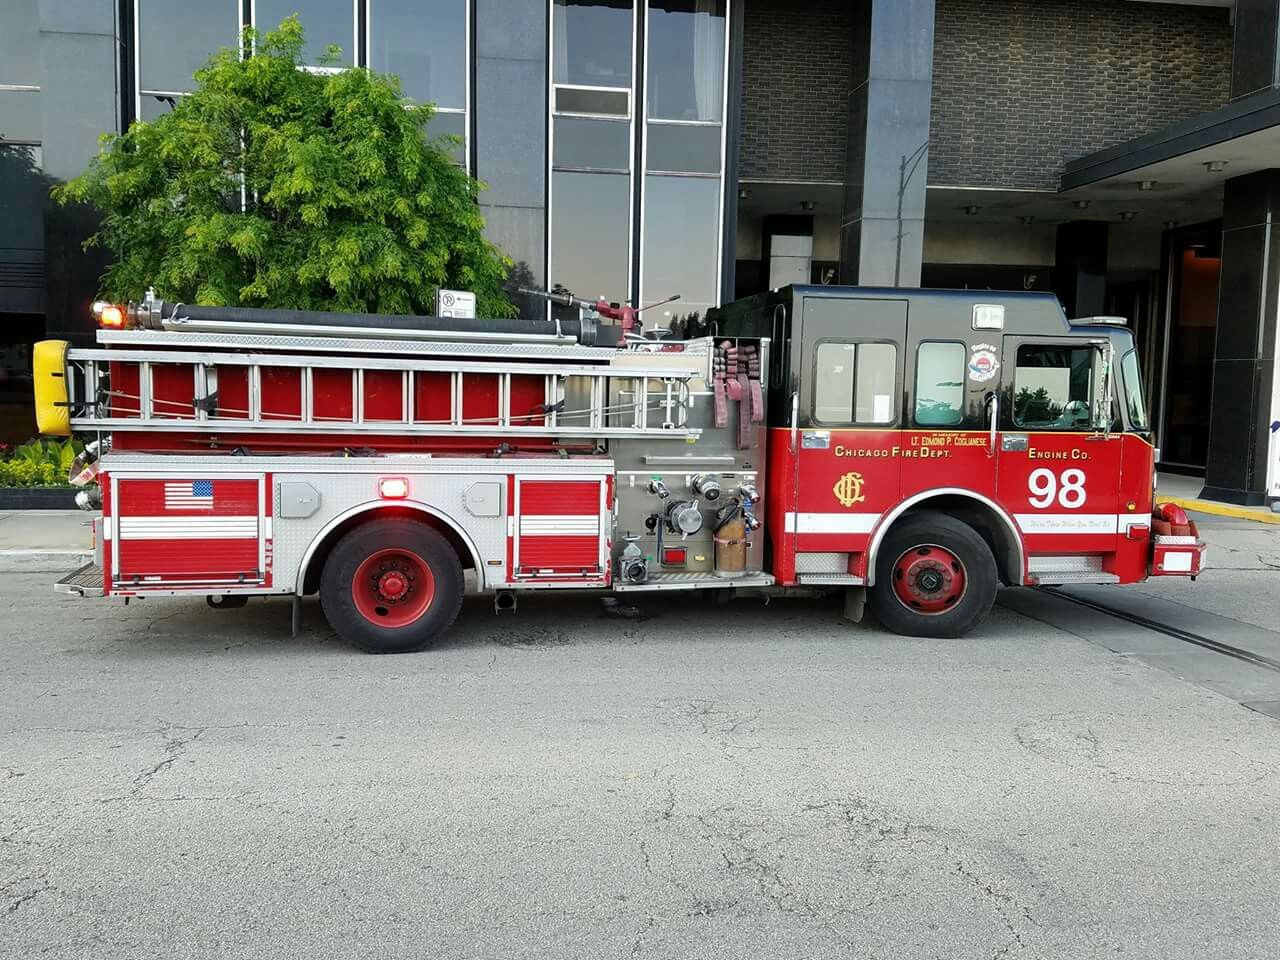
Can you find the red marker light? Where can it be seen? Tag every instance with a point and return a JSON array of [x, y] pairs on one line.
[[674, 556], [112, 316], [393, 488]]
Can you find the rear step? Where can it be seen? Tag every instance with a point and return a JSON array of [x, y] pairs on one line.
[[85, 582]]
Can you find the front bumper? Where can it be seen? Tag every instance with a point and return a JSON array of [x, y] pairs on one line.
[[1177, 556]]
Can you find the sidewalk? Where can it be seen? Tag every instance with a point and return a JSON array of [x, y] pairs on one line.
[[1185, 492], [37, 540]]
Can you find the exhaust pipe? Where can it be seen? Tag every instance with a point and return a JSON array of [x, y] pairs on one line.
[[504, 601]]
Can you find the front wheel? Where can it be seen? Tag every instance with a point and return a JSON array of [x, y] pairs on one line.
[[935, 577], [391, 586]]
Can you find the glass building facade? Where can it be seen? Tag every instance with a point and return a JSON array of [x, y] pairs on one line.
[[423, 42], [637, 158], [637, 149], [598, 126]]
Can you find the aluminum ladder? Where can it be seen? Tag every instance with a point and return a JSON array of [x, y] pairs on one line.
[[187, 390]]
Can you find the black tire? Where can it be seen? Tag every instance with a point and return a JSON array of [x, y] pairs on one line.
[[922, 539], [378, 537]]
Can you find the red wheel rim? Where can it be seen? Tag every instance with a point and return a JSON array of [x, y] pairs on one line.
[[393, 587], [929, 579]]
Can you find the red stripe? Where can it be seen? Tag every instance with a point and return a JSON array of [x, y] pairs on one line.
[[560, 553], [560, 497], [188, 559]]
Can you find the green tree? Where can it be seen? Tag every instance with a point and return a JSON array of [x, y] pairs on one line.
[[275, 186]]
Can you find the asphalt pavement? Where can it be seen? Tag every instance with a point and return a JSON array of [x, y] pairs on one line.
[[678, 779]]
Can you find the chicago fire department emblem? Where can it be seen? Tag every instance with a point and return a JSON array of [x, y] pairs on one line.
[[983, 364], [848, 489]]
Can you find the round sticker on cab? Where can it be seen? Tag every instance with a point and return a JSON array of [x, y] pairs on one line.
[[983, 364]]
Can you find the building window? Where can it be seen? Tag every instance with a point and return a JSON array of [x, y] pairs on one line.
[[175, 38], [940, 370], [23, 190], [682, 211], [685, 53], [427, 44], [20, 43], [598, 129], [592, 145], [681, 243], [324, 23], [20, 71], [590, 233], [593, 43]]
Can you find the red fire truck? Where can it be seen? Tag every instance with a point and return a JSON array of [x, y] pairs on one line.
[[917, 448]]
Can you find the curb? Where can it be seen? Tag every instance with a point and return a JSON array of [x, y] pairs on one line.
[[39, 561], [1255, 514], [37, 498]]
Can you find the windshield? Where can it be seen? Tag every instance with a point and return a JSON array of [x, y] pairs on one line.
[[1135, 403]]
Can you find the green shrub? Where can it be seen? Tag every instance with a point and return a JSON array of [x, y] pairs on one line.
[[25, 473], [40, 463]]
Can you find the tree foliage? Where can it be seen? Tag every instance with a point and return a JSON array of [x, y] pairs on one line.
[[275, 186]]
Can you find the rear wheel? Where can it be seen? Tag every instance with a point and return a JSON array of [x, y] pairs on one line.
[[935, 577], [391, 586]]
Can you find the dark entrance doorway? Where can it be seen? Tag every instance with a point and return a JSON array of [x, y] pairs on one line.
[[1194, 265]]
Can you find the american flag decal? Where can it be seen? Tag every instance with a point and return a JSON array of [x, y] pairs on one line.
[[189, 495]]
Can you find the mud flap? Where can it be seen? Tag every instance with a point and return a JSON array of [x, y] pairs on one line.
[[855, 603]]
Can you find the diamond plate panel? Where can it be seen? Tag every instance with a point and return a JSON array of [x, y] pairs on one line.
[[1072, 564], [822, 563]]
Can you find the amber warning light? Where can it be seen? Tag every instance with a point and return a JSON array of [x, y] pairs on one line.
[[110, 315]]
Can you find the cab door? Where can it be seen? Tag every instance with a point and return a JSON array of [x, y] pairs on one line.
[[849, 408], [1059, 469]]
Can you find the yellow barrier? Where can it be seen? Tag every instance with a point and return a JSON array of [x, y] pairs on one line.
[[48, 363]]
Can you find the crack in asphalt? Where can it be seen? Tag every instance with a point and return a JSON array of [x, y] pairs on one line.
[[17, 902], [173, 749]]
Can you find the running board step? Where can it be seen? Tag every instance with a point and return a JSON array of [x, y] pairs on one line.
[[85, 582], [1084, 576], [694, 581], [830, 579]]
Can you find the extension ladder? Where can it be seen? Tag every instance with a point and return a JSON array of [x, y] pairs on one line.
[[160, 388]]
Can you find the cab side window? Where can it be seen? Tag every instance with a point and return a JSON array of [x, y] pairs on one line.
[[854, 383], [940, 368], [1053, 386]]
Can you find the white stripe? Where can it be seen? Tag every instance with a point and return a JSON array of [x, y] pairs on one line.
[[193, 528], [1070, 522], [552, 526], [831, 522]]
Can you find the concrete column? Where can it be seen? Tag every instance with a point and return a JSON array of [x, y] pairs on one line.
[[1243, 404], [882, 231], [509, 103], [80, 100], [1080, 267], [1255, 58]]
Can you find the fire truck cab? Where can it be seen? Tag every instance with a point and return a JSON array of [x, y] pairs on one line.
[[913, 447], [928, 444]]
